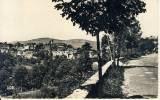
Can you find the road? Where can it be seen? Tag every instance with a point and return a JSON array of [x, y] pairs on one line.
[[141, 77]]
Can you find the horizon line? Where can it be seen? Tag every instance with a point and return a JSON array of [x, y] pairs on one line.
[[63, 39]]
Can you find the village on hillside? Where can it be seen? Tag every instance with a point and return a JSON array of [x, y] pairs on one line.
[[31, 60], [30, 50]]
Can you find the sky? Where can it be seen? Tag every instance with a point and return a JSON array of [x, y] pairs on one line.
[[29, 19]]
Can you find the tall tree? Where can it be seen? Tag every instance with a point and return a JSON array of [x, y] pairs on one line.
[[85, 60], [51, 42], [146, 45], [20, 77], [95, 16], [106, 49], [69, 46], [39, 46], [132, 37]]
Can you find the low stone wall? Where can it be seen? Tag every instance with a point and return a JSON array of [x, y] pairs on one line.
[[84, 91]]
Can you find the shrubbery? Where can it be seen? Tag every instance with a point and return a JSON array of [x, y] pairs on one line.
[[113, 80], [65, 74], [20, 79], [110, 85], [48, 92], [7, 64]]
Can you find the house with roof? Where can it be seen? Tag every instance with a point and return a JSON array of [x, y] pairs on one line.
[[68, 54]]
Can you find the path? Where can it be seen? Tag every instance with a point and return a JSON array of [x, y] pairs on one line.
[[142, 76]]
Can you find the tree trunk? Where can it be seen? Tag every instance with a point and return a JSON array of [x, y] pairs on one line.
[[127, 53], [99, 57], [118, 56], [119, 42], [110, 49], [21, 85], [113, 51], [131, 51], [99, 68]]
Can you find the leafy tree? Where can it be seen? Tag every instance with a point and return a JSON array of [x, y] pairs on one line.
[[32, 61], [20, 77], [42, 54], [50, 48], [31, 46], [39, 46], [4, 74], [4, 81], [106, 49], [69, 46], [129, 37], [85, 60], [95, 16], [53, 69], [10, 46], [64, 68], [146, 45], [7, 64], [38, 73], [48, 92], [133, 36], [86, 47]]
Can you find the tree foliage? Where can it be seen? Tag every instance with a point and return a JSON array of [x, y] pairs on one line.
[[20, 77], [146, 45], [106, 49], [133, 36], [95, 16], [7, 64], [38, 73], [85, 60]]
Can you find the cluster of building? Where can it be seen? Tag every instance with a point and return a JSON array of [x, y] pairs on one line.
[[17, 49], [28, 50]]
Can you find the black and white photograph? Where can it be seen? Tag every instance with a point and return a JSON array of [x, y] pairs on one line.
[[79, 49]]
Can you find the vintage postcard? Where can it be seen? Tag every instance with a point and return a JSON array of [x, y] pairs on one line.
[[79, 49]]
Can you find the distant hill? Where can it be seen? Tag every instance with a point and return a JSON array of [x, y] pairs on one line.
[[40, 40], [74, 42]]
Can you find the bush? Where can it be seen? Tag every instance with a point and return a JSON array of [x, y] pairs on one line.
[[48, 92], [67, 86], [64, 68], [20, 77], [84, 62], [113, 80], [38, 73], [110, 86]]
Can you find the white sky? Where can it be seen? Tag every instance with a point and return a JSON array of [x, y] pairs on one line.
[[29, 19]]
